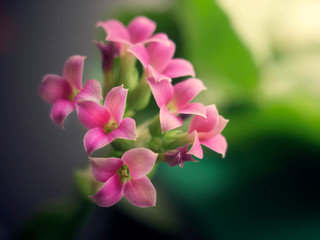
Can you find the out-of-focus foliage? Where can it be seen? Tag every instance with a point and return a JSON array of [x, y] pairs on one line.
[[216, 51]]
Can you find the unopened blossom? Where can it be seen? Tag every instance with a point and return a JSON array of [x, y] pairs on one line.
[[158, 62], [207, 132], [108, 53], [106, 123], [175, 100], [65, 91], [125, 176], [178, 156]]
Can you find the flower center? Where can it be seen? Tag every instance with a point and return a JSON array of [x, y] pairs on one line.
[[112, 125], [124, 173], [73, 94], [172, 107]]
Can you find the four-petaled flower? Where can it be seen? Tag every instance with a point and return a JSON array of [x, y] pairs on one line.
[[207, 131], [175, 100], [125, 176], [139, 30], [106, 123], [157, 60], [64, 92]]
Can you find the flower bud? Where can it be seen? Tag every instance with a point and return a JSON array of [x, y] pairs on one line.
[[122, 144], [109, 52], [178, 156], [139, 98], [174, 139]]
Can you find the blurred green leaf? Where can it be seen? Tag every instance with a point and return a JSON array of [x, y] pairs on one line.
[[85, 182], [214, 48]]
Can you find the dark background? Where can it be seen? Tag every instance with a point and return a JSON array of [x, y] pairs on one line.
[[38, 158]]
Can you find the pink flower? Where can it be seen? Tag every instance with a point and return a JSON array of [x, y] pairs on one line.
[[207, 131], [64, 92], [178, 156], [125, 176], [174, 100], [106, 123], [139, 30], [157, 60]]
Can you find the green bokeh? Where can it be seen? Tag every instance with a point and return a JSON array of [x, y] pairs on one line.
[[257, 191]]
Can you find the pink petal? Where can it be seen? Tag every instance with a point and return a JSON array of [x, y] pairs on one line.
[[104, 168], [96, 138], [196, 149], [158, 37], [217, 144], [162, 91], [216, 130], [110, 193], [116, 31], [160, 54], [141, 53], [140, 192], [222, 122], [140, 29], [60, 110], [115, 102], [158, 77], [194, 108], [92, 114], [178, 67], [54, 87], [140, 161], [201, 124], [91, 91], [73, 69], [186, 90], [126, 130], [168, 120]]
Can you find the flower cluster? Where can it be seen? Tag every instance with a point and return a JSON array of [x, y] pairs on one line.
[[108, 110]]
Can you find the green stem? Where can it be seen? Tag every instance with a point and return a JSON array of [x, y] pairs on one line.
[[155, 127], [108, 82], [128, 74]]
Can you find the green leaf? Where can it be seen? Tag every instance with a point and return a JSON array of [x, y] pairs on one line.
[[214, 48]]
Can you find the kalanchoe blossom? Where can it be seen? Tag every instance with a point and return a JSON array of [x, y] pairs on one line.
[[207, 132], [174, 100], [125, 177], [139, 30], [178, 156], [64, 92], [157, 60], [106, 123]]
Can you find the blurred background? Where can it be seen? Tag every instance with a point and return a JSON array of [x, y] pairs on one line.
[[260, 60]]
